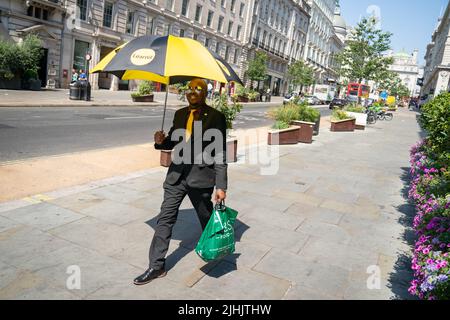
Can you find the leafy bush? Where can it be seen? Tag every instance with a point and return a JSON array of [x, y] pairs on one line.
[[241, 91], [280, 125], [307, 113], [16, 59], [355, 108], [285, 113], [435, 119], [230, 111], [145, 88], [253, 95], [339, 115]]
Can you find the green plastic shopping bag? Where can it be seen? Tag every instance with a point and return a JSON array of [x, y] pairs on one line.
[[217, 240]]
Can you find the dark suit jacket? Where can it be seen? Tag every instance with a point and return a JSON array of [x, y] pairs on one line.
[[198, 175]]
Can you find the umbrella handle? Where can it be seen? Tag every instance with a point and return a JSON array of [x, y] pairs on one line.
[[165, 106]]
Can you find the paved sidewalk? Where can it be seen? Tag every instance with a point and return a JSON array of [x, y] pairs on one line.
[[334, 209], [60, 98]]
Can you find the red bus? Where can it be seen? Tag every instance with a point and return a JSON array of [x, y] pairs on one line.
[[358, 90]]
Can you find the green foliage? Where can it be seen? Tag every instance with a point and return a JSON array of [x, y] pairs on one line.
[[435, 119], [300, 74], [145, 88], [257, 68], [339, 115], [241, 91], [253, 95], [355, 108], [293, 111], [230, 111], [280, 125], [363, 58], [16, 59]]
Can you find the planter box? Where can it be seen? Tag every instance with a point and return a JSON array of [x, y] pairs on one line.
[[305, 132], [282, 137], [148, 98], [242, 99], [232, 144], [13, 84], [166, 158], [361, 120], [316, 127], [343, 125]]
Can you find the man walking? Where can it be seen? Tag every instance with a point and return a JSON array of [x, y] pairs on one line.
[[188, 177]]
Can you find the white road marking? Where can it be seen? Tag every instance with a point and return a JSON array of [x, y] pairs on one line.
[[140, 117]]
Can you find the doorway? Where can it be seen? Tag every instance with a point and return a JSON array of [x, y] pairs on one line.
[[42, 72]]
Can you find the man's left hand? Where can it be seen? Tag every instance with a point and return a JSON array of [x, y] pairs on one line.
[[220, 195]]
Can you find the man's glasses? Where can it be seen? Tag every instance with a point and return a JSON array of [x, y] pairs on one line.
[[194, 89]]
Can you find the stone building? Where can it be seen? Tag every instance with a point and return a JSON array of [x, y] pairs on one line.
[[279, 29], [437, 68], [45, 18], [337, 44], [321, 30], [407, 68]]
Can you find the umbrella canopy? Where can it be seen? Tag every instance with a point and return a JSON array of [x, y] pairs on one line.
[[167, 60]]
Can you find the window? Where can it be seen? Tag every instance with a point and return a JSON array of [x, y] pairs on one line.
[[37, 12], [107, 14], [169, 5], [45, 14], [195, 36], [230, 28], [198, 13], [223, 3], [82, 9], [219, 26], [218, 47], [167, 28], [241, 10], [238, 32], [130, 23], [210, 18], [236, 56], [181, 32], [233, 2], [150, 25], [207, 43], [30, 11], [184, 7], [227, 53]]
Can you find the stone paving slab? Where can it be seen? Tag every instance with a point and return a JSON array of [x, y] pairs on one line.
[[309, 232]]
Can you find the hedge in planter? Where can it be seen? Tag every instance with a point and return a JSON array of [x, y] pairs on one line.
[[282, 132], [342, 122], [144, 93], [306, 120]]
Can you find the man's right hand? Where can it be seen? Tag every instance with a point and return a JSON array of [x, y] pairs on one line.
[[159, 137]]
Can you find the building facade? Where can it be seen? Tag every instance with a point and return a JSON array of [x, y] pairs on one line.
[[45, 18], [437, 67], [278, 28], [407, 68], [337, 44], [320, 33]]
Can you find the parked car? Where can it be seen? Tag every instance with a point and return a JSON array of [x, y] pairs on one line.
[[290, 97], [338, 103], [313, 100]]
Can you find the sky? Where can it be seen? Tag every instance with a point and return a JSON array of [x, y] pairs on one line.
[[411, 21]]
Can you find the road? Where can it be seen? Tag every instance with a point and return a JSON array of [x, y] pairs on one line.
[[36, 132]]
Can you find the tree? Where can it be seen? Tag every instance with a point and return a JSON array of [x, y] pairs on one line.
[[363, 59], [392, 83], [257, 68], [300, 74]]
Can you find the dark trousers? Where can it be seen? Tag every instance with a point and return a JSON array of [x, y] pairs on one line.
[[173, 197]]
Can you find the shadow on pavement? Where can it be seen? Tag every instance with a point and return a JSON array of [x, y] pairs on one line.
[[188, 230], [401, 277]]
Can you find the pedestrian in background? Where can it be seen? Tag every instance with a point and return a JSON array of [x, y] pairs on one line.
[[74, 75], [82, 76]]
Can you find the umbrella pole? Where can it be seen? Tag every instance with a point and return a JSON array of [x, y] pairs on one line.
[[165, 107]]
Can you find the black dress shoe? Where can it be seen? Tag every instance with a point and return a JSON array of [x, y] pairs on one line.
[[149, 275]]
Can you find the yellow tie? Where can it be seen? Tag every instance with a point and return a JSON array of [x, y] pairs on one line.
[[189, 125]]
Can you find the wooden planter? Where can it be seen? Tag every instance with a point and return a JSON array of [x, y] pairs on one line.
[[316, 127], [361, 120], [305, 132], [282, 137], [232, 144], [147, 98], [242, 99], [343, 125], [166, 158]]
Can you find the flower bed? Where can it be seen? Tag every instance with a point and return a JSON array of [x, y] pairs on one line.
[[431, 261]]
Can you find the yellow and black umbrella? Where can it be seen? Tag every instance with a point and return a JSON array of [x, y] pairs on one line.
[[167, 60]]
